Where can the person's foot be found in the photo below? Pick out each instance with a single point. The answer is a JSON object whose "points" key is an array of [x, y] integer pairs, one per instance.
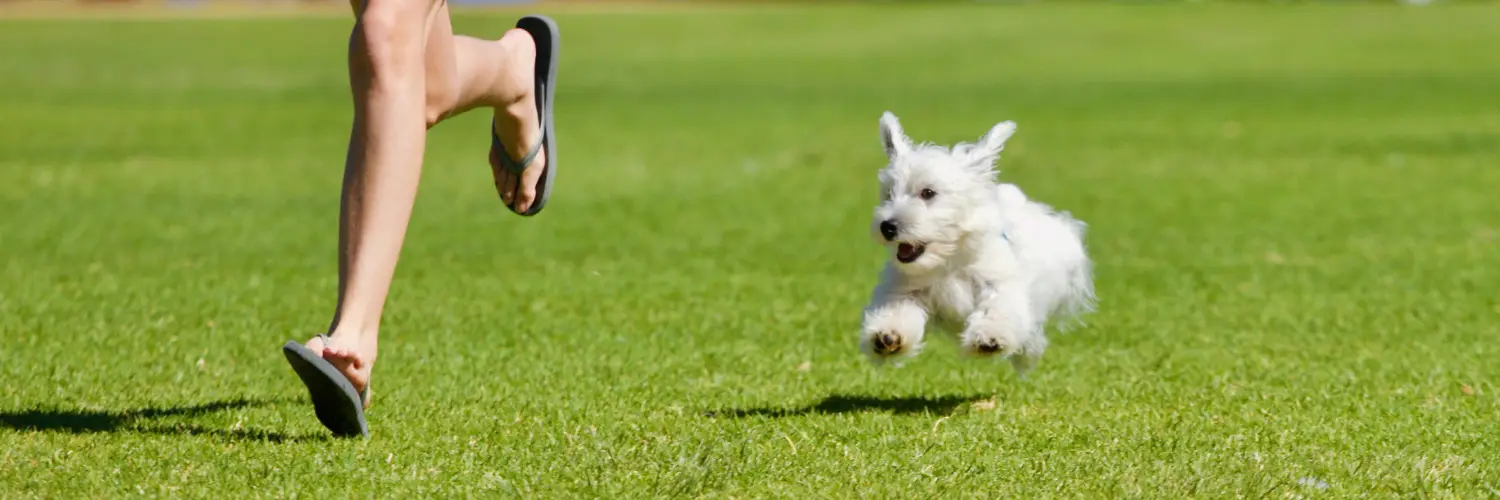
{"points": [[516, 122], [353, 360]]}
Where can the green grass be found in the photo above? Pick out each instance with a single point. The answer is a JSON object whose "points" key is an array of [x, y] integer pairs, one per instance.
{"points": [[1293, 210]]}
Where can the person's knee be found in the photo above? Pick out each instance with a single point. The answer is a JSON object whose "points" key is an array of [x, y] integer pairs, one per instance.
{"points": [[440, 102], [387, 39]]}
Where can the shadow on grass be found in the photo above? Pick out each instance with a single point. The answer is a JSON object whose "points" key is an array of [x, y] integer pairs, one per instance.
{"points": [[840, 404], [139, 421]]}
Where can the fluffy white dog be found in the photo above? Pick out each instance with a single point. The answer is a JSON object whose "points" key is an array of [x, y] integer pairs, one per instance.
{"points": [[969, 255]]}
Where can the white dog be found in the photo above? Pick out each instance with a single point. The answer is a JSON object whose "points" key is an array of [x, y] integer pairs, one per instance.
{"points": [[969, 255]]}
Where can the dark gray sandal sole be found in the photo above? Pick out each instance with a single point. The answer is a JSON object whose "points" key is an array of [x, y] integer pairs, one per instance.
{"points": [[339, 407], [544, 32]]}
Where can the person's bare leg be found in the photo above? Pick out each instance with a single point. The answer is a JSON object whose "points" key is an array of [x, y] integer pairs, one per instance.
{"points": [[381, 175], [382, 168], [497, 74]]}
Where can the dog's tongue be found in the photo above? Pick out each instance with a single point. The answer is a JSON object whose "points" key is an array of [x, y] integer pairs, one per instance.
{"points": [[905, 250]]}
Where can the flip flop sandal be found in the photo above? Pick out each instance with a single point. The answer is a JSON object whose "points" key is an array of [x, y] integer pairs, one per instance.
{"points": [[339, 407], [544, 32]]}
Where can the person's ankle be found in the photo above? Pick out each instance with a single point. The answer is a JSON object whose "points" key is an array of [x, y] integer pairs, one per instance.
{"points": [[522, 112], [361, 337], [513, 85]]}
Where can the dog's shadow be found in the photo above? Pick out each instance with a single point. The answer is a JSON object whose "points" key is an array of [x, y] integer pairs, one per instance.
{"points": [[842, 404], [141, 420]]}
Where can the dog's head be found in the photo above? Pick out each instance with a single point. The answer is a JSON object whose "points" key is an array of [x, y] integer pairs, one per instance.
{"points": [[932, 197]]}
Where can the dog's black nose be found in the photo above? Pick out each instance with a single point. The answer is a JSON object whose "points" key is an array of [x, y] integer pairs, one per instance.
{"points": [[888, 229]]}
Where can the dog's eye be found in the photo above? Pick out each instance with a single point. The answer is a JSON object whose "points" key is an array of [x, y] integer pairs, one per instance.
{"points": [[928, 194]]}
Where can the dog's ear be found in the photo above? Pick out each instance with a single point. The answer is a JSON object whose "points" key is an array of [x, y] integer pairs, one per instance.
{"points": [[981, 156], [892, 136], [993, 142]]}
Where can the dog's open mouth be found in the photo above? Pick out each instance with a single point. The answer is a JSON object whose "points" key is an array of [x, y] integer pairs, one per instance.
{"points": [[909, 252]]}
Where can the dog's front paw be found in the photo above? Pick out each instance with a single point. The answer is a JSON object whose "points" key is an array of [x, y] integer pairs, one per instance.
{"points": [[888, 344], [892, 329], [990, 346], [989, 342]]}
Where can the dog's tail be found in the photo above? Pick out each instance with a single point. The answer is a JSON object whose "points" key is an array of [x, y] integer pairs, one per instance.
{"points": [[1053, 245], [1078, 297]]}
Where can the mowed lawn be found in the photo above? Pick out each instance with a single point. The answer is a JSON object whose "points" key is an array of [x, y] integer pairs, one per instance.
{"points": [[1295, 212]]}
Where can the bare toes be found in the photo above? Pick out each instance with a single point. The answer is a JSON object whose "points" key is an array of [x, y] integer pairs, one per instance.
{"points": [[346, 356], [504, 185], [529, 179]]}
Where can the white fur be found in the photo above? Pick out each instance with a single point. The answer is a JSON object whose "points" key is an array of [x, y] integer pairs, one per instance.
{"points": [[998, 268]]}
